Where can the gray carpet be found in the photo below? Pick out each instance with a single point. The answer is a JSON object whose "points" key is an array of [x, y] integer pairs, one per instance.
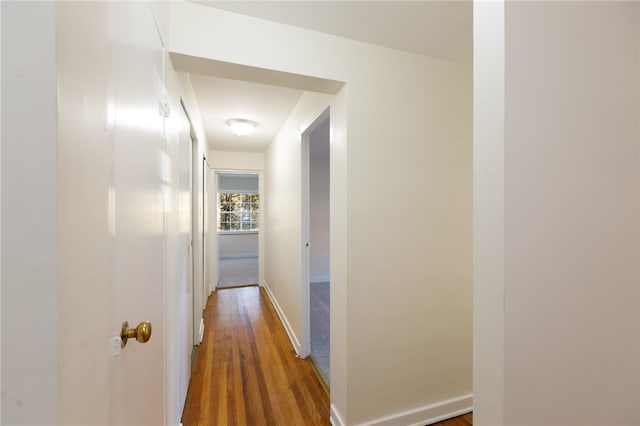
{"points": [[238, 271], [320, 328]]}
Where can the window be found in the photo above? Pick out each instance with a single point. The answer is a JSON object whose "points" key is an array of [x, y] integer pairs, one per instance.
{"points": [[238, 212]]}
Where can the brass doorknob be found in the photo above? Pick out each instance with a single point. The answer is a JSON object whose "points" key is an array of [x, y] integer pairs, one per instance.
{"points": [[142, 333]]}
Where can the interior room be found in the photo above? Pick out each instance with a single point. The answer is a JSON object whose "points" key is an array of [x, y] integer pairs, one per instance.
{"points": [[238, 225]]}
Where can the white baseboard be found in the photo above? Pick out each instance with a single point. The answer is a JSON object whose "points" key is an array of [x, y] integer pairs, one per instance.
{"points": [[322, 279], [283, 318], [426, 415], [201, 330], [335, 418]]}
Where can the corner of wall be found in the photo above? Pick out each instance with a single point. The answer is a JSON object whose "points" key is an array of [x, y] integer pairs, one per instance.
{"points": [[335, 418], [426, 415], [283, 319]]}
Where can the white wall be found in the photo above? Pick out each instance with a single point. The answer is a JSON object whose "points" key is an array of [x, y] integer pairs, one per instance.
{"points": [[488, 186], [283, 236], [571, 175], [30, 306], [226, 160], [319, 182], [238, 245], [238, 183], [568, 207], [384, 282]]}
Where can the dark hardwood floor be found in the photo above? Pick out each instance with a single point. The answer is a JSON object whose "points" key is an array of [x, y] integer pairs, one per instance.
{"points": [[247, 373]]}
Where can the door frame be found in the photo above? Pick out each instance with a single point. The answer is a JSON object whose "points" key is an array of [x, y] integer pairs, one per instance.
{"points": [[305, 209], [205, 237], [214, 220], [196, 310]]}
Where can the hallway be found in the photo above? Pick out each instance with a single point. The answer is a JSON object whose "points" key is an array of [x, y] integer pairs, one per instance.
{"points": [[246, 371]]}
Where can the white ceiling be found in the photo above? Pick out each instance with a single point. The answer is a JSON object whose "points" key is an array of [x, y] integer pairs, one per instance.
{"points": [[433, 28], [442, 29], [221, 99]]}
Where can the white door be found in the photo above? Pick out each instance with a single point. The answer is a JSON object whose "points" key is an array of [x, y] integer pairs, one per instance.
{"points": [[197, 206], [179, 285], [124, 218], [140, 206]]}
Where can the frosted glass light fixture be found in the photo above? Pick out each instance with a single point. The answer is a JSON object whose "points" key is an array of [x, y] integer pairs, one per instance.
{"points": [[240, 126]]}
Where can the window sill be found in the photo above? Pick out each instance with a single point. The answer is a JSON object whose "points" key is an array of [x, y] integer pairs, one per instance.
{"points": [[236, 232]]}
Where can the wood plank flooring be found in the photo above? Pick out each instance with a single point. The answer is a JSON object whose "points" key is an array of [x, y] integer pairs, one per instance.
{"points": [[247, 373], [465, 420]]}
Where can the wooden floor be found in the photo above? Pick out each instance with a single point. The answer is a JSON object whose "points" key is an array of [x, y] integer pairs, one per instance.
{"points": [[466, 420], [246, 372]]}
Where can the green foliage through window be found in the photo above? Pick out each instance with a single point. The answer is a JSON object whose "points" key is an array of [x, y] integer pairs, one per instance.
{"points": [[238, 212]]}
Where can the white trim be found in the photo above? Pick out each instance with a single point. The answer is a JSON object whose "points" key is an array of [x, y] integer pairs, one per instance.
{"points": [[305, 231], [428, 414], [322, 279], [305, 234], [315, 119], [201, 330], [237, 232], [283, 319], [335, 418], [236, 191], [238, 256]]}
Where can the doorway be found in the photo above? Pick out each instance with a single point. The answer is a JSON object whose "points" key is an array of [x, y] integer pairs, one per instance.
{"points": [[316, 220], [238, 220]]}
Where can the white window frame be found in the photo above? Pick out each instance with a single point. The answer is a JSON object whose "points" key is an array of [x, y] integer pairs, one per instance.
{"points": [[219, 212]]}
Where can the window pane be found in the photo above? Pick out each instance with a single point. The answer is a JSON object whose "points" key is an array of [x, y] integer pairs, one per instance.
{"points": [[238, 212]]}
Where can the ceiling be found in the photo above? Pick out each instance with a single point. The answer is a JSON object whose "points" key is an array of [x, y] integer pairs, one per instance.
{"points": [[442, 29], [221, 99], [433, 28]]}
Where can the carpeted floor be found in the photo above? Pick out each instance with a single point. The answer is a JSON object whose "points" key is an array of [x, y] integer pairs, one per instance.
{"points": [[320, 328], [238, 271]]}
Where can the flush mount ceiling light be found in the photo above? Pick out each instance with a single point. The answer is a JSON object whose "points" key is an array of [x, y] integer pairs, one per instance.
{"points": [[240, 126]]}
